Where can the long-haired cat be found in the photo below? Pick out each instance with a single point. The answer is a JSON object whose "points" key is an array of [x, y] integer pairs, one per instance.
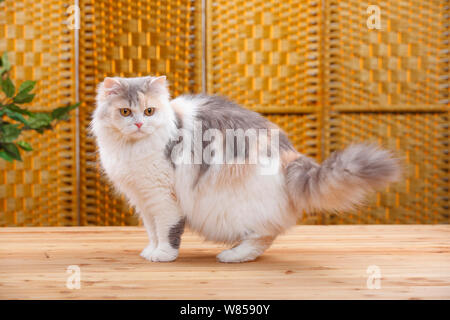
{"points": [[174, 161]]}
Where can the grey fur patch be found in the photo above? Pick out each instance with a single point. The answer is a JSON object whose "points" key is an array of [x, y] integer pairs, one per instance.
{"points": [[131, 94], [219, 113], [169, 148], [131, 87], [302, 174], [172, 143], [178, 121], [285, 144], [175, 233]]}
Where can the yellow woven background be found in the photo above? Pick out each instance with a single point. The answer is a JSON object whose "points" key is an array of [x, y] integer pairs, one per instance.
{"points": [[312, 67], [390, 86], [41, 190], [130, 39]]}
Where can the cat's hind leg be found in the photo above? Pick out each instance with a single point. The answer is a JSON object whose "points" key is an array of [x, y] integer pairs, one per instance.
{"points": [[247, 250]]}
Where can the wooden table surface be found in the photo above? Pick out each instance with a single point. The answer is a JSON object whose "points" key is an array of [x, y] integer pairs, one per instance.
{"points": [[309, 262]]}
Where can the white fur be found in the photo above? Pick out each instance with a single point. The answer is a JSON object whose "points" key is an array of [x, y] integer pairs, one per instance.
{"points": [[137, 167]]}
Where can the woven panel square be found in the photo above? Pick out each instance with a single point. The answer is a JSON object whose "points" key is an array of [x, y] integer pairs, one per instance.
{"points": [[264, 53], [405, 62], [303, 131]]}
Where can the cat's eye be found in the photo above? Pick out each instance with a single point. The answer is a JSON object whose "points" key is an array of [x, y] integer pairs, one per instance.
{"points": [[149, 111], [125, 112]]}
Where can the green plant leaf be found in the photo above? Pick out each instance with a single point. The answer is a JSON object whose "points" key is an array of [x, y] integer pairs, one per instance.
{"points": [[27, 86], [5, 65], [14, 115], [9, 132], [24, 145], [62, 113], [12, 150], [40, 120], [18, 109], [24, 97], [6, 156], [23, 118], [8, 87]]}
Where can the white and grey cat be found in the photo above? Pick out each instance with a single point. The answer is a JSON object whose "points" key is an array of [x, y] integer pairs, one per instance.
{"points": [[138, 127]]}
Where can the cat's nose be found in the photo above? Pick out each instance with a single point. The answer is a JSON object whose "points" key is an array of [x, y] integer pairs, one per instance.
{"points": [[138, 124]]}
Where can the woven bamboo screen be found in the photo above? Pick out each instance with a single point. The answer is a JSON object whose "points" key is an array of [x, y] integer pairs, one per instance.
{"points": [[390, 86], [265, 56], [312, 67], [130, 38], [319, 58], [41, 189]]}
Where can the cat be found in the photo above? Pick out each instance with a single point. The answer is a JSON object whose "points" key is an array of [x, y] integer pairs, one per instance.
{"points": [[148, 149]]}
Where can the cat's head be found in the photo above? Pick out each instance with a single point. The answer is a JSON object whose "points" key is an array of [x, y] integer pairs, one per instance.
{"points": [[134, 107]]}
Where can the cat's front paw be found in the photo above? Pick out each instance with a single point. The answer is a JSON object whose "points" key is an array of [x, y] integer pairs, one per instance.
{"points": [[164, 255], [147, 252]]}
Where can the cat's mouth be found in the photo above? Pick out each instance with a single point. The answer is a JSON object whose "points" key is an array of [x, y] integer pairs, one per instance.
{"points": [[132, 134], [141, 133], [135, 133]]}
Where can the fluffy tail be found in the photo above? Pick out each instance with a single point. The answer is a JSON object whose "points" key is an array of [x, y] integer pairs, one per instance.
{"points": [[342, 181]]}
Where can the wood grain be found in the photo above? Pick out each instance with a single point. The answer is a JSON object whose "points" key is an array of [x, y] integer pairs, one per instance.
{"points": [[309, 262]]}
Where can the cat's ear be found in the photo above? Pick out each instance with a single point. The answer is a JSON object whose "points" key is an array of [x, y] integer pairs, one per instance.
{"points": [[158, 86], [110, 86], [160, 81], [110, 83]]}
